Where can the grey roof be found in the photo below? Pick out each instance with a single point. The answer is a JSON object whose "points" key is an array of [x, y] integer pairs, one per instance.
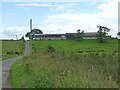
{"points": [[89, 34], [48, 34]]}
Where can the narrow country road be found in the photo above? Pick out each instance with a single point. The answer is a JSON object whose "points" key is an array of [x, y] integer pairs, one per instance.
{"points": [[6, 64], [27, 49]]}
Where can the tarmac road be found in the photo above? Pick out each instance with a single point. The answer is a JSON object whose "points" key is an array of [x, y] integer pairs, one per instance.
{"points": [[6, 64], [27, 49]]}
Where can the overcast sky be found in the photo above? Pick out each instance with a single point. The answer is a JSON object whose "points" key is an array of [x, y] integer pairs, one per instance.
{"points": [[58, 17]]}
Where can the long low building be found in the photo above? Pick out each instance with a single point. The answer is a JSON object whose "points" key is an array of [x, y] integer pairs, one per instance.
{"points": [[90, 35], [37, 34], [49, 36]]}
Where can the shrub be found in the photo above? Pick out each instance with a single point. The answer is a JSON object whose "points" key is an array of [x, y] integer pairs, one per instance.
{"points": [[80, 51], [17, 53], [51, 49], [10, 53]]}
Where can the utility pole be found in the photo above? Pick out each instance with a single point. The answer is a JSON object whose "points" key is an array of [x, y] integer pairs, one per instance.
{"points": [[18, 44], [16, 37]]}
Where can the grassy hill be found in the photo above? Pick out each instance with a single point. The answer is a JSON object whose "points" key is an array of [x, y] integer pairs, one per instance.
{"points": [[68, 64]]}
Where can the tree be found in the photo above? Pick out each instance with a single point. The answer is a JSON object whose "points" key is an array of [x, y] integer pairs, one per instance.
{"points": [[32, 33], [22, 38], [118, 34], [78, 31], [102, 33], [28, 34], [37, 31], [80, 34]]}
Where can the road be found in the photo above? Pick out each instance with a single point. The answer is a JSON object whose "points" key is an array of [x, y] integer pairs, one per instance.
{"points": [[6, 64], [27, 49]]}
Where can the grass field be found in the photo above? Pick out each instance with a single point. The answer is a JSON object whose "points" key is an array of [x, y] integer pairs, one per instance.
{"points": [[68, 64], [10, 47], [71, 46]]}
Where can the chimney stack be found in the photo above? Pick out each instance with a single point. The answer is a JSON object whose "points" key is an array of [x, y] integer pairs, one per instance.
{"points": [[30, 24]]}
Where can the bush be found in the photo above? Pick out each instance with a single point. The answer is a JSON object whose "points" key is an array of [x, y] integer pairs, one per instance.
{"points": [[51, 49], [17, 53], [10, 53]]}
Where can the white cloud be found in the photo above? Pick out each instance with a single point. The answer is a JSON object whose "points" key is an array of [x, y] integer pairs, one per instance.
{"points": [[11, 32], [53, 7], [39, 4], [64, 8], [70, 22], [71, 11], [73, 21], [50, 28], [58, 9], [2, 36], [108, 10]]}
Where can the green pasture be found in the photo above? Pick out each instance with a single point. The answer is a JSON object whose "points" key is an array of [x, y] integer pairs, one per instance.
{"points": [[73, 46], [59, 64], [12, 46]]}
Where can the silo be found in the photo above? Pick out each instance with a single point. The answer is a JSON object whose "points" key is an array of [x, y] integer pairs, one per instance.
{"points": [[30, 24]]}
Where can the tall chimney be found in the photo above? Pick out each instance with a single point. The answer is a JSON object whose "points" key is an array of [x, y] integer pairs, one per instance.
{"points": [[30, 24]]}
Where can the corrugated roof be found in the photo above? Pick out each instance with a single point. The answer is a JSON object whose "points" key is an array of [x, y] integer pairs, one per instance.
{"points": [[90, 34]]}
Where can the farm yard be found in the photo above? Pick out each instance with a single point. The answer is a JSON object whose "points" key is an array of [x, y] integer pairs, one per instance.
{"points": [[12, 48], [68, 64]]}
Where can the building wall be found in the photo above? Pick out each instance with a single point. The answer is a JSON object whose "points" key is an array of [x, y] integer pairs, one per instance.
{"points": [[89, 37], [49, 38], [58, 38]]}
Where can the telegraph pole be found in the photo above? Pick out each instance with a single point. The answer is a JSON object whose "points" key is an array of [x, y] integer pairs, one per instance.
{"points": [[16, 37], [18, 44]]}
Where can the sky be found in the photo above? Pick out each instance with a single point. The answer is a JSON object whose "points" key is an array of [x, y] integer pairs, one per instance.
{"points": [[58, 17]]}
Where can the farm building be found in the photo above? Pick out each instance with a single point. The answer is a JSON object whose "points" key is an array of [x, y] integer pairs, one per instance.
{"points": [[91, 35], [37, 34], [49, 36]]}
